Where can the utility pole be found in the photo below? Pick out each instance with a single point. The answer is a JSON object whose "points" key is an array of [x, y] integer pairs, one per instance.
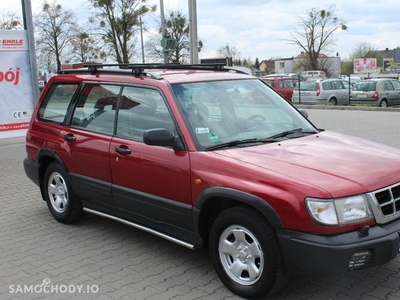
{"points": [[164, 35], [141, 37], [193, 43], [28, 26]]}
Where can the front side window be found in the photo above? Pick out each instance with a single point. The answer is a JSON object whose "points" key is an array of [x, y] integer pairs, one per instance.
{"points": [[54, 107], [338, 85], [327, 85], [216, 118], [142, 109]]}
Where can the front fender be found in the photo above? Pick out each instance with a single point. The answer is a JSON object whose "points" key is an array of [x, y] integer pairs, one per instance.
{"points": [[227, 193]]}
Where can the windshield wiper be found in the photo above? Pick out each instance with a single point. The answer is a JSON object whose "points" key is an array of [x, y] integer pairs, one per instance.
{"points": [[272, 139], [236, 143], [298, 131]]}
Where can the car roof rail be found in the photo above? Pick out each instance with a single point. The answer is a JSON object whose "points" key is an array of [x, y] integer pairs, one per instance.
{"points": [[141, 69]]}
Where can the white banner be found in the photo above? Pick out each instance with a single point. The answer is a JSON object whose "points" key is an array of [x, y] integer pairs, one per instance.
{"points": [[364, 65], [16, 100]]}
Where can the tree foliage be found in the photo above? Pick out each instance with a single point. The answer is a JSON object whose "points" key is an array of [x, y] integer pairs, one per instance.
{"points": [[86, 48], [118, 22], [316, 34], [55, 28], [230, 51], [10, 21]]}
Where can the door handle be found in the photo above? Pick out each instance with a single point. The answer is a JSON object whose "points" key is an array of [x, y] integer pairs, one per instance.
{"points": [[123, 150], [70, 137]]}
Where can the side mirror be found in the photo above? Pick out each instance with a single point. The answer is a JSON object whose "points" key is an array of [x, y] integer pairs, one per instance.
{"points": [[304, 113], [161, 137]]}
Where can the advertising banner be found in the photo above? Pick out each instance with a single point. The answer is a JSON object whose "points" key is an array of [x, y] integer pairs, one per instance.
{"points": [[365, 65], [16, 100]]}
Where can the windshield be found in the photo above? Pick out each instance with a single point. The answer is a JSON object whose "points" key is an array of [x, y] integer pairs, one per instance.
{"points": [[225, 112]]}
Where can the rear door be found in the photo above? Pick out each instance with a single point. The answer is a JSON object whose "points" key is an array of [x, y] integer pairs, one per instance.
{"points": [[150, 183], [390, 92], [88, 139], [341, 92]]}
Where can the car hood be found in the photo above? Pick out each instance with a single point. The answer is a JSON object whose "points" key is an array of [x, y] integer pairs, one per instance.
{"points": [[341, 165]]}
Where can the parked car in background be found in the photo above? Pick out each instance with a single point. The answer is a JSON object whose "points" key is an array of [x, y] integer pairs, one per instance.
{"points": [[313, 74], [297, 76], [376, 92], [283, 85], [352, 79], [322, 91], [275, 75]]}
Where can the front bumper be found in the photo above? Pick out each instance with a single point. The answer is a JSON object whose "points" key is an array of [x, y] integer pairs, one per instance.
{"points": [[305, 253]]}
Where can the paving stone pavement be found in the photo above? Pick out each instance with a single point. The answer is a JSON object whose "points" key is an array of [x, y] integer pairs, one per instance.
{"points": [[102, 259]]}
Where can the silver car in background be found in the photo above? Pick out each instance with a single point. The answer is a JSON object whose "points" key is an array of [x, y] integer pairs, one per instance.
{"points": [[376, 92], [332, 91]]}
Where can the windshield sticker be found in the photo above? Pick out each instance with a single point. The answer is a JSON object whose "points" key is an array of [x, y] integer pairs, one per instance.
{"points": [[202, 130], [212, 136]]}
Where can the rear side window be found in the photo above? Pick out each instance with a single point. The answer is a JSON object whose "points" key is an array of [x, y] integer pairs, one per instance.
{"points": [[55, 105], [287, 84], [388, 85], [396, 84], [96, 107]]}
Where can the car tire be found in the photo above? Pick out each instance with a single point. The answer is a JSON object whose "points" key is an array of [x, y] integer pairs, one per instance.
{"points": [[61, 200], [383, 103], [246, 254], [333, 101]]}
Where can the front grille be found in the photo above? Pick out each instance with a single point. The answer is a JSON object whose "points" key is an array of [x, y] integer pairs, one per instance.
{"points": [[388, 200]]}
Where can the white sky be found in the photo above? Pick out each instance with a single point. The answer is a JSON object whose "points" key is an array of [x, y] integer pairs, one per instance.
{"points": [[256, 28]]}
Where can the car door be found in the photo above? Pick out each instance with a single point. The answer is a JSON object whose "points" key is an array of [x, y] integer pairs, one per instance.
{"points": [[89, 137], [341, 92], [396, 85], [150, 183]]}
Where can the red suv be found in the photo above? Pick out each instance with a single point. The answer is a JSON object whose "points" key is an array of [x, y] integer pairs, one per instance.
{"points": [[283, 85], [172, 150]]}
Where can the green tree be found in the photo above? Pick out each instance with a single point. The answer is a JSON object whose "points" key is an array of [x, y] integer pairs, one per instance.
{"points": [[10, 21], [55, 29], [257, 63], [118, 22], [316, 35], [177, 29]]}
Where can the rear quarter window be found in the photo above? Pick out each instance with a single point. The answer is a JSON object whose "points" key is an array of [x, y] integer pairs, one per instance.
{"points": [[55, 105]]}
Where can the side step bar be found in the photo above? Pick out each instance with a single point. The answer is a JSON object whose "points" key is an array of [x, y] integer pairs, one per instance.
{"points": [[149, 230]]}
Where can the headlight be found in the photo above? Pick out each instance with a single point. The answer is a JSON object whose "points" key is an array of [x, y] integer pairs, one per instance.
{"points": [[339, 211]]}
